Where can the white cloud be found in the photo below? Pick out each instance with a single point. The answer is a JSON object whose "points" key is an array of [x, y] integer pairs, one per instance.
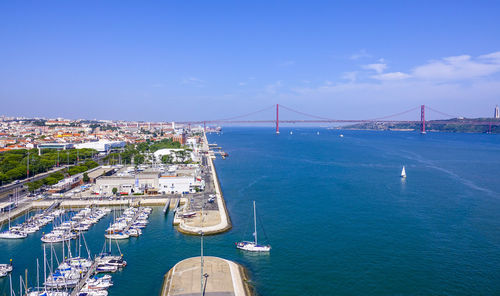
{"points": [[193, 81], [495, 56], [459, 67], [378, 67], [391, 76], [242, 83], [350, 76], [274, 87], [360, 55]]}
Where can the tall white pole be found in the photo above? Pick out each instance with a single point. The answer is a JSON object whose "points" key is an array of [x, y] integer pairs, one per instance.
{"points": [[10, 281], [201, 264], [37, 274], [44, 264]]}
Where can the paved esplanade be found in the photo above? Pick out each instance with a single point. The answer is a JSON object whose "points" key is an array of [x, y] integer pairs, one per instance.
{"points": [[213, 221], [224, 278]]}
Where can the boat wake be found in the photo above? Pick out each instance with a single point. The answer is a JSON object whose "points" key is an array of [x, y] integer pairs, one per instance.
{"points": [[433, 165]]}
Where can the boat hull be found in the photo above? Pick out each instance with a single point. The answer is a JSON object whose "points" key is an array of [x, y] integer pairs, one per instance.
{"points": [[252, 247]]}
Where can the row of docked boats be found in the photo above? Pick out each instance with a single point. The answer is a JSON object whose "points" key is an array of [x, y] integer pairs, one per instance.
{"points": [[30, 225], [129, 223], [76, 275], [69, 229]]}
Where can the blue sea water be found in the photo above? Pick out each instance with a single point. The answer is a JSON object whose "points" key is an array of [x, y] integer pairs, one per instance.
{"points": [[339, 218]]}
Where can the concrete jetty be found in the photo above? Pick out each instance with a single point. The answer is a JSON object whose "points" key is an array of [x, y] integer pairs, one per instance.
{"points": [[212, 221], [223, 277]]}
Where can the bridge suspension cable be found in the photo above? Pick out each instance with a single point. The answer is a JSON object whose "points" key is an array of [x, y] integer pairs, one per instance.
{"points": [[362, 120], [243, 115], [442, 113], [394, 115], [305, 114]]}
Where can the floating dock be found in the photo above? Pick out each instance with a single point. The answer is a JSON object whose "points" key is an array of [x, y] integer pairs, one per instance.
{"points": [[166, 207], [83, 280]]}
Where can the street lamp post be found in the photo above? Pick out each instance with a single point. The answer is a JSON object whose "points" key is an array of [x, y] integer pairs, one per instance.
{"points": [[201, 273]]}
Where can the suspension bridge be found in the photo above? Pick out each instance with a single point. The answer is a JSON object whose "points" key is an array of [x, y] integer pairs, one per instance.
{"points": [[315, 119]]}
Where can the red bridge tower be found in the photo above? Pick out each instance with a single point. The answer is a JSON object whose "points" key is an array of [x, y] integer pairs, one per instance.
{"points": [[422, 119]]}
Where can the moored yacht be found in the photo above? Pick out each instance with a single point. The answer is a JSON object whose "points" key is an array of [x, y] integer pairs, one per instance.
{"points": [[253, 246]]}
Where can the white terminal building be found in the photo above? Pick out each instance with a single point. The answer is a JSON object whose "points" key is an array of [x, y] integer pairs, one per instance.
{"points": [[151, 182], [102, 146]]}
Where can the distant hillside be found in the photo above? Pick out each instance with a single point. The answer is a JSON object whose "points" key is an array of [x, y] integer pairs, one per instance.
{"points": [[462, 125]]}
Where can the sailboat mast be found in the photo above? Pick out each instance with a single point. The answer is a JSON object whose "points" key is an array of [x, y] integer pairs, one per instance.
{"points": [[44, 264], [37, 275], [255, 222]]}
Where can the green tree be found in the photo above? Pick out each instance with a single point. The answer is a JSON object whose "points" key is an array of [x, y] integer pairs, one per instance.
{"points": [[86, 178], [114, 190], [166, 159], [139, 159]]}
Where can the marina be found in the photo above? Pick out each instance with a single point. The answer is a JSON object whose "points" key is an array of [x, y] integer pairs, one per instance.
{"points": [[69, 229]]}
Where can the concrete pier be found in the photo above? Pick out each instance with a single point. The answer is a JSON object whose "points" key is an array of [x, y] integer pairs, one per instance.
{"points": [[223, 278], [214, 221]]}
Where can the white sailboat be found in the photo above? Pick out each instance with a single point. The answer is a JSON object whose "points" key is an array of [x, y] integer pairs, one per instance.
{"points": [[403, 172], [253, 246], [5, 269], [12, 234]]}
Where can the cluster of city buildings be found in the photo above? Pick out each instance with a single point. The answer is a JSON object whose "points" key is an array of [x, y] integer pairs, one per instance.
{"points": [[102, 135]]}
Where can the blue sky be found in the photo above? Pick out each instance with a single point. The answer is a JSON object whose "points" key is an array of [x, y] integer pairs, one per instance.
{"points": [[187, 60]]}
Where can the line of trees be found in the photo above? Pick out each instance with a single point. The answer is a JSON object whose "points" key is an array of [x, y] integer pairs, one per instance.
{"points": [[14, 163], [58, 176]]}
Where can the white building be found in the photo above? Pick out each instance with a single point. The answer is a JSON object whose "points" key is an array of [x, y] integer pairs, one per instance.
{"points": [[102, 146], [497, 112], [127, 184], [176, 185]]}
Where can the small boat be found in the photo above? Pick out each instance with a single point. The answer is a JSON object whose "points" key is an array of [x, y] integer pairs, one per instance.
{"points": [[253, 246], [188, 214], [317, 133], [93, 293], [341, 135], [8, 234], [106, 268], [291, 133], [133, 232], [5, 268], [13, 232], [403, 172], [47, 293], [118, 235]]}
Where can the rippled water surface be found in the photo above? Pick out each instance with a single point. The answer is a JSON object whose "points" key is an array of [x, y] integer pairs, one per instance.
{"points": [[338, 216]]}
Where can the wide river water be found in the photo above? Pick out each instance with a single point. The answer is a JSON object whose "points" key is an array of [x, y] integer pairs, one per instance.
{"points": [[339, 218]]}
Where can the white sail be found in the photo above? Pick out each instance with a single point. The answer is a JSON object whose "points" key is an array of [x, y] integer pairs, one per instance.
{"points": [[403, 173]]}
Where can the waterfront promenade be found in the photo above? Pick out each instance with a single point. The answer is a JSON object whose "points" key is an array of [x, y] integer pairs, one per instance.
{"points": [[212, 221]]}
